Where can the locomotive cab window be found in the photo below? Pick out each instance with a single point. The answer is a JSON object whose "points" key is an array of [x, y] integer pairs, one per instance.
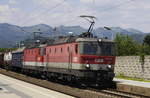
{"points": [[96, 48]]}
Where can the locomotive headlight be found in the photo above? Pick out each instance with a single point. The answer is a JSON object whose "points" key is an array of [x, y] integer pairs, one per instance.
{"points": [[100, 40], [109, 66], [87, 65]]}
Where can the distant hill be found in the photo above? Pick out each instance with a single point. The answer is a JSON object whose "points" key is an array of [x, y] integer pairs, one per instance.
{"points": [[11, 34]]}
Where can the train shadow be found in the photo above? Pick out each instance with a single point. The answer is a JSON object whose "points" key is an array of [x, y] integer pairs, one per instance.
{"points": [[104, 86], [110, 85]]}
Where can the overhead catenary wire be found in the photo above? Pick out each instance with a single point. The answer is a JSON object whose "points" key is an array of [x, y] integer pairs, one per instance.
{"points": [[117, 6], [35, 8], [114, 7], [103, 10], [70, 12], [47, 10], [59, 4]]}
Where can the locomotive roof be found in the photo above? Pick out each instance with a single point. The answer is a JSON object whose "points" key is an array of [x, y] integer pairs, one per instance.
{"points": [[93, 40], [79, 39], [19, 50], [69, 39]]}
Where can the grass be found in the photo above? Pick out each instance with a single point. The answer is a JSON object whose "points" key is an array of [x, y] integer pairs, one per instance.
{"points": [[121, 76]]}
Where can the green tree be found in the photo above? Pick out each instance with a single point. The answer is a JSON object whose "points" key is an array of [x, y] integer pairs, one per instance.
{"points": [[2, 49], [147, 40], [125, 45], [7, 49], [145, 47]]}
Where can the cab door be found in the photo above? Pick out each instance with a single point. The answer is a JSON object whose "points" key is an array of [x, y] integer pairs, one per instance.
{"points": [[70, 51]]}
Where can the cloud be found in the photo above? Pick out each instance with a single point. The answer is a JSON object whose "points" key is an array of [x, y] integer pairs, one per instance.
{"points": [[5, 13], [86, 1], [128, 15], [13, 2], [47, 3], [9, 14], [125, 13], [120, 13]]}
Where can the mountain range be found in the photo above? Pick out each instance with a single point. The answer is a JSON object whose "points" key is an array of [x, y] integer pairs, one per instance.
{"points": [[12, 34]]}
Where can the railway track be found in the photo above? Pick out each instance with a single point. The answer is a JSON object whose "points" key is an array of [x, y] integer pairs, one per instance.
{"points": [[113, 93], [128, 95], [88, 92]]}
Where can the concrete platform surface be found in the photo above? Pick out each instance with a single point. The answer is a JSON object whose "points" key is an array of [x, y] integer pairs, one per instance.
{"points": [[135, 87], [131, 82], [13, 88]]}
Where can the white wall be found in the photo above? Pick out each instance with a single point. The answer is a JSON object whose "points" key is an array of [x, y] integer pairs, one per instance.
{"points": [[132, 67]]}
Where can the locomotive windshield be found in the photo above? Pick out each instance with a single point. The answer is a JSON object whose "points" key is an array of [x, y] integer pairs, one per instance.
{"points": [[97, 48]]}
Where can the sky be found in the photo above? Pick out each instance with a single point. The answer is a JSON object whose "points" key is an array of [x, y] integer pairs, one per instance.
{"points": [[112, 13]]}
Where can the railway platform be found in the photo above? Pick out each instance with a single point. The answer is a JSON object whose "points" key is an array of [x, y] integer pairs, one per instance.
{"points": [[136, 87], [10, 87]]}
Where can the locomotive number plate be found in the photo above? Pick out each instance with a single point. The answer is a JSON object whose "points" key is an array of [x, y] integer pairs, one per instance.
{"points": [[99, 60]]}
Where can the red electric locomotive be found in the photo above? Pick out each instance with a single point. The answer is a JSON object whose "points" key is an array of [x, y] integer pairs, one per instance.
{"points": [[88, 59], [82, 58]]}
